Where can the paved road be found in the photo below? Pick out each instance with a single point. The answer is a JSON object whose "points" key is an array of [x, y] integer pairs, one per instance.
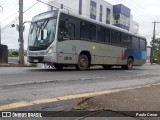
{"points": [[27, 84]]}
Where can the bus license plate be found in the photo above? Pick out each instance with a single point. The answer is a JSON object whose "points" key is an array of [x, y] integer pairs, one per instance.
{"points": [[35, 60]]}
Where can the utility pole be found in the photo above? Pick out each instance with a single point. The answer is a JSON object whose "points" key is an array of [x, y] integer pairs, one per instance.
{"points": [[0, 23], [0, 33], [153, 41], [21, 41]]}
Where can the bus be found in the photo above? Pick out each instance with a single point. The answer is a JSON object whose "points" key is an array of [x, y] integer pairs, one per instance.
{"points": [[61, 38]]}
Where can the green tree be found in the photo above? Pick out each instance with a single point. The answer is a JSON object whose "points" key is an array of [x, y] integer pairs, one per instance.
{"points": [[157, 57]]}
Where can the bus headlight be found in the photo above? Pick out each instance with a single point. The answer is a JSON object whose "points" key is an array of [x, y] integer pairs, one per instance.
{"points": [[50, 50]]}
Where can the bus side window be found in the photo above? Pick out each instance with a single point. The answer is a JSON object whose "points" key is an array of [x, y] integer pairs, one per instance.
{"points": [[62, 32], [101, 34], [84, 30], [135, 43], [116, 37], [142, 44], [107, 35], [126, 40], [71, 30], [92, 32], [87, 31]]}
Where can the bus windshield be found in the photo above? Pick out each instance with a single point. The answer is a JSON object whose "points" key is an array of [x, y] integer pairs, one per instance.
{"points": [[42, 33]]}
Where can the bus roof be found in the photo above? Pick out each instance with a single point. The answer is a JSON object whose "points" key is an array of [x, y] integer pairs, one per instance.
{"points": [[45, 15], [96, 22]]}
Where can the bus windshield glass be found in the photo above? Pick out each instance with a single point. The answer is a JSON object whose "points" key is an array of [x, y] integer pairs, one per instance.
{"points": [[42, 32]]}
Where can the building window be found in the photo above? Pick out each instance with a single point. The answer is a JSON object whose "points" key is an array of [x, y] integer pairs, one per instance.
{"points": [[121, 19], [108, 14], [51, 7], [125, 20], [93, 10], [117, 19], [101, 13]]}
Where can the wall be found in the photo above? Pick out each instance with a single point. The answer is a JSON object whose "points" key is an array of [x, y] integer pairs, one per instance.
{"points": [[148, 52], [134, 26], [105, 6], [3, 54], [74, 6], [70, 4]]}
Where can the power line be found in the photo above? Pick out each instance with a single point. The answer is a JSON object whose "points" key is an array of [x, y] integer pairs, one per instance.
{"points": [[3, 2], [9, 25], [9, 17], [46, 3], [15, 14], [30, 7]]}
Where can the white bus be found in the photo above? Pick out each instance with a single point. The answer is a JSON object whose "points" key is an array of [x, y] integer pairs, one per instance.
{"points": [[61, 38]]}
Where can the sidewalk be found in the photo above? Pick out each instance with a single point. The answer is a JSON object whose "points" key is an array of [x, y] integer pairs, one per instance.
{"points": [[116, 105], [143, 99]]}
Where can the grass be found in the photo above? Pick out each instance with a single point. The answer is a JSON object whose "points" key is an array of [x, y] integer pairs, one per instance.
{"points": [[12, 55], [16, 65]]}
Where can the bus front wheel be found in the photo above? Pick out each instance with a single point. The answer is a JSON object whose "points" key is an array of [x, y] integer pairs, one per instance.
{"points": [[58, 66], [83, 62]]}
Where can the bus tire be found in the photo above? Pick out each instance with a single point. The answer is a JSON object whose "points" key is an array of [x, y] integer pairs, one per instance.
{"points": [[106, 67], [58, 66], [83, 62], [129, 65]]}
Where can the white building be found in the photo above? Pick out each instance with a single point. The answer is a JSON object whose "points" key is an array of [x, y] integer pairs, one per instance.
{"points": [[100, 10], [148, 52]]}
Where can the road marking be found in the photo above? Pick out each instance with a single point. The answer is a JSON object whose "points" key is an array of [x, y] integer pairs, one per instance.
{"points": [[69, 97]]}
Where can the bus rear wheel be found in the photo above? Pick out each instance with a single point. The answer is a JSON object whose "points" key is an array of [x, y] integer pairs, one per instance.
{"points": [[83, 62], [129, 65], [58, 66]]}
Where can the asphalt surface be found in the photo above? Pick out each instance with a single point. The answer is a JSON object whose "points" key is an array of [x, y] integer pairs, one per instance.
{"points": [[27, 84]]}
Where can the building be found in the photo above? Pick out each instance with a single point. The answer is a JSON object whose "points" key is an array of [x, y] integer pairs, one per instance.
{"points": [[100, 10], [148, 52]]}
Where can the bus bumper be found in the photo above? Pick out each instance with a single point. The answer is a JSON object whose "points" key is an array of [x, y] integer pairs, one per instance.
{"points": [[52, 58]]}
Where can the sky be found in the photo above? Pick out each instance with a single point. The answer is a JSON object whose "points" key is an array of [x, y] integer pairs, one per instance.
{"points": [[144, 12]]}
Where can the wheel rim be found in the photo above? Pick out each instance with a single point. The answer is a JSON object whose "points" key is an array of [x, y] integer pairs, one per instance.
{"points": [[83, 62], [130, 64]]}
